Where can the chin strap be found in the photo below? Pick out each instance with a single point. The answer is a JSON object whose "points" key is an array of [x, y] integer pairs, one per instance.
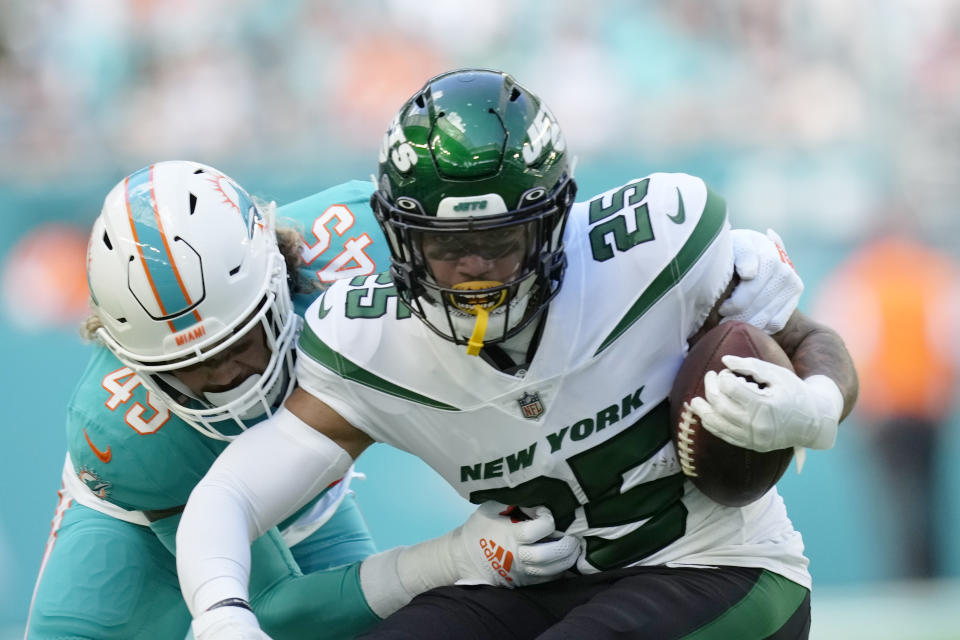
{"points": [[475, 343]]}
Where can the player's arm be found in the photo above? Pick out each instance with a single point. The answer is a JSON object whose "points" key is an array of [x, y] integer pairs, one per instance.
{"points": [[262, 477], [283, 599], [277, 466], [756, 404], [761, 406], [816, 349]]}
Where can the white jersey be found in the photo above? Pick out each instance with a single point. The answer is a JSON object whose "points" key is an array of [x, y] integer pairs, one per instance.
{"points": [[585, 430]]}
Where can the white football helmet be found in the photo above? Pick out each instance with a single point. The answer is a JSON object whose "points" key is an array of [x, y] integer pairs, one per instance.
{"points": [[181, 264]]}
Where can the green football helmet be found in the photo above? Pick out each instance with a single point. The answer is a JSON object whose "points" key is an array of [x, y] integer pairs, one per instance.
{"points": [[473, 167]]}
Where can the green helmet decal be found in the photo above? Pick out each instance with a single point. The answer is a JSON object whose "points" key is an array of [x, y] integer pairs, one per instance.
{"points": [[473, 152]]}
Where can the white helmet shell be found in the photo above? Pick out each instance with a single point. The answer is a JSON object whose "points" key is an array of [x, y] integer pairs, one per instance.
{"points": [[181, 264]]}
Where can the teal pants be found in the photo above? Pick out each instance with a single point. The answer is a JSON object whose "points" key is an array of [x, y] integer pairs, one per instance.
{"points": [[108, 579]]}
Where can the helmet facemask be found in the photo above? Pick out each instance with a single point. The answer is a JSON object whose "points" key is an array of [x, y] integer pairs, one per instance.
{"points": [[525, 244], [226, 414]]}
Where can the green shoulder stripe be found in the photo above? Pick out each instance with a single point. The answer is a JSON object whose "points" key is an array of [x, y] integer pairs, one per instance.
{"points": [[710, 223], [317, 349]]}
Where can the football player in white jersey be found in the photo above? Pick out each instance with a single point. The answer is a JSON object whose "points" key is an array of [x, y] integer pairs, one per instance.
{"points": [[519, 391]]}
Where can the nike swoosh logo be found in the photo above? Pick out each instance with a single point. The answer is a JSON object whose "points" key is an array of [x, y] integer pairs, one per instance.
{"points": [[323, 310], [681, 215], [103, 456]]}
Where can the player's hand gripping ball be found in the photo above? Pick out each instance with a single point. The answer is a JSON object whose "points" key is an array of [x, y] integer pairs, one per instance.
{"points": [[728, 474]]}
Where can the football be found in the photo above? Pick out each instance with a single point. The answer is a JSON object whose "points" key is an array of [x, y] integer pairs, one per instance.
{"points": [[727, 474]]}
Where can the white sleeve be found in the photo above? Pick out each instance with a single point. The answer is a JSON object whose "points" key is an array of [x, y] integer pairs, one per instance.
{"points": [[262, 477]]}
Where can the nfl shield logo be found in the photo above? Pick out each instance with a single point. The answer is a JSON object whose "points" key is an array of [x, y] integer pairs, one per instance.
{"points": [[530, 405]]}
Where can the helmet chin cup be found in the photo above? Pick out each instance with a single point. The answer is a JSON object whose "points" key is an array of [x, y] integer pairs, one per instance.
{"points": [[479, 304], [458, 323], [248, 411]]}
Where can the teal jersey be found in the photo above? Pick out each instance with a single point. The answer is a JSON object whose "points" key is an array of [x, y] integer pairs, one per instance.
{"points": [[341, 238], [131, 451], [132, 462], [127, 448]]}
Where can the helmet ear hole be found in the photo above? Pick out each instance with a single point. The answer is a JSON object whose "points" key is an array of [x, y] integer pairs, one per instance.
{"points": [[409, 204], [514, 94], [533, 195], [106, 241], [193, 204]]}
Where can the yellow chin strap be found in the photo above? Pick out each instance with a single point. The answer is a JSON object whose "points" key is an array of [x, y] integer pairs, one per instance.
{"points": [[481, 309]]}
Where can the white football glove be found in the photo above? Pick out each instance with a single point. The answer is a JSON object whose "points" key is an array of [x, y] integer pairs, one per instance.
{"points": [[489, 548], [784, 412], [227, 623], [769, 287]]}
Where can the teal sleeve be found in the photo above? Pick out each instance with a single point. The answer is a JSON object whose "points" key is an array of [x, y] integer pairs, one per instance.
{"points": [[290, 605], [270, 559], [331, 600]]}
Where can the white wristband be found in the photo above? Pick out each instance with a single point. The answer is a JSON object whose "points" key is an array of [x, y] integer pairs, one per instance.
{"points": [[381, 584], [829, 401], [391, 579]]}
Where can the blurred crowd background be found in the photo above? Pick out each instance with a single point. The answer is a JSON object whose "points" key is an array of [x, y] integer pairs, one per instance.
{"points": [[835, 123]]}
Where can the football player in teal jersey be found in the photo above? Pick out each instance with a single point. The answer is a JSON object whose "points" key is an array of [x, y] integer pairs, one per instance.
{"points": [[197, 300], [524, 344]]}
